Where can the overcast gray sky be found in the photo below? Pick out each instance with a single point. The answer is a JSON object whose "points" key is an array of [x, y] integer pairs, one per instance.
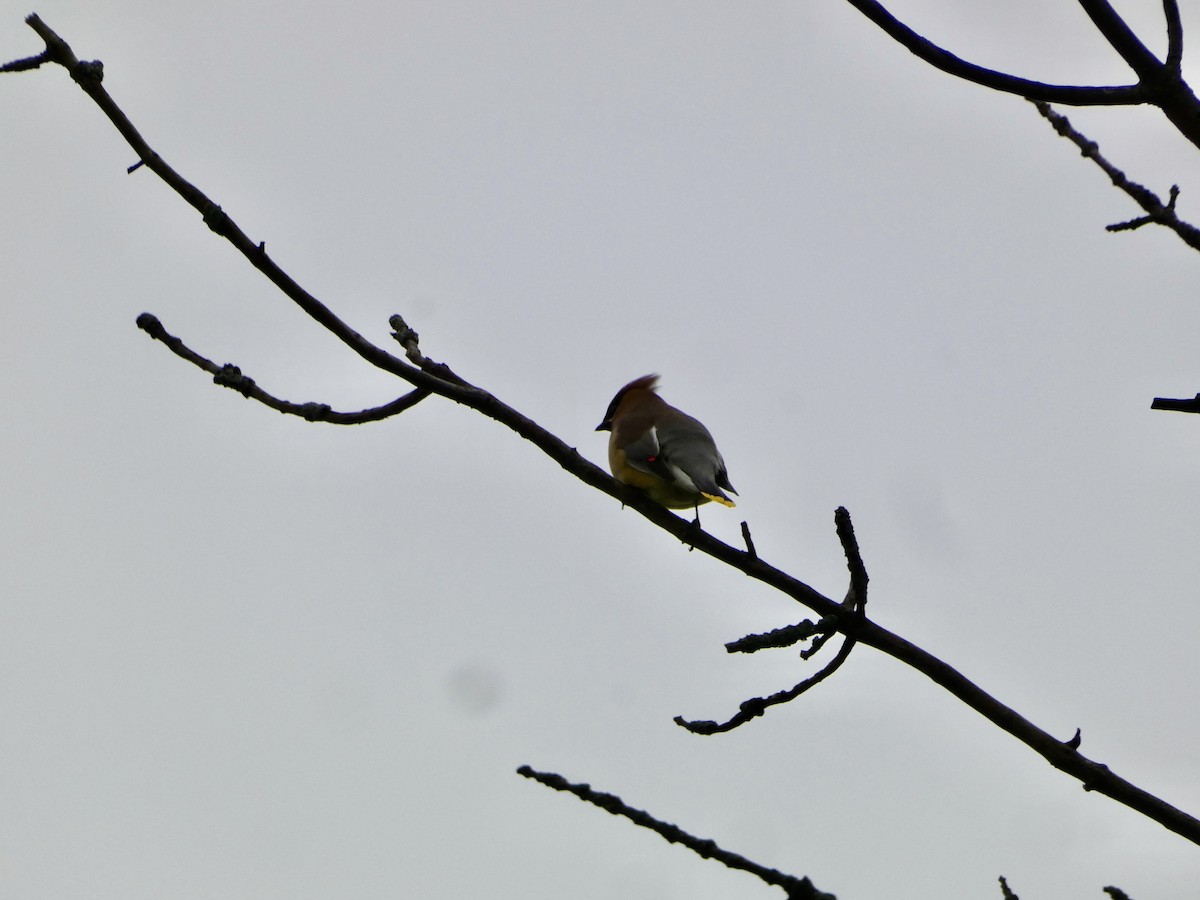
{"points": [[245, 656]]}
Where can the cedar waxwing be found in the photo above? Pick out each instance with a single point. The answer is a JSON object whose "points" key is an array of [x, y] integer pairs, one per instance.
{"points": [[666, 453]]}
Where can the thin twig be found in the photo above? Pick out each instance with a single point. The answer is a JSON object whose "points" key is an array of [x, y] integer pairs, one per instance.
{"points": [[751, 709], [749, 540], [231, 376], [29, 62], [1157, 212], [1174, 60], [782, 637], [796, 888], [1187, 406], [853, 612]]}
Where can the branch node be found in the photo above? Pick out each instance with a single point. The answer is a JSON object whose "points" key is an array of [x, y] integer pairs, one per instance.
{"points": [[1074, 742], [315, 412], [231, 377], [1161, 216], [91, 71], [216, 219]]}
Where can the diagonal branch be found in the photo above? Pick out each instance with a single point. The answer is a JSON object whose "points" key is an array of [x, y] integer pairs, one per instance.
{"points": [[1157, 212], [796, 888], [782, 637], [89, 76], [431, 376], [853, 606], [231, 376]]}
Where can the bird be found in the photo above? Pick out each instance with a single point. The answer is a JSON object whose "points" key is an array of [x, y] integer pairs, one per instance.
{"points": [[662, 451]]}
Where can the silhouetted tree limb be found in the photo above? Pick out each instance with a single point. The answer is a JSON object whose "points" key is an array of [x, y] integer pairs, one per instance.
{"points": [[796, 888], [231, 376], [783, 637], [756, 706], [29, 62], [435, 378], [1157, 212], [853, 606], [1160, 83]]}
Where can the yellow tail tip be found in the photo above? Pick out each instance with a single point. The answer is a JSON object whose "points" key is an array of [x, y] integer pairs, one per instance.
{"points": [[724, 501]]}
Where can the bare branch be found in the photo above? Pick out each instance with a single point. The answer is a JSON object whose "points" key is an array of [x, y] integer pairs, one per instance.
{"points": [[853, 606], [796, 888], [1094, 776], [782, 637], [1160, 84], [1158, 213], [1005, 891], [939, 58], [231, 376], [89, 75]]}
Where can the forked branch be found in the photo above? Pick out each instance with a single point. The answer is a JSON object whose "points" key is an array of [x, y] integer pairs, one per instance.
{"points": [[853, 608], [1157, 212], [1160, 83]]}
